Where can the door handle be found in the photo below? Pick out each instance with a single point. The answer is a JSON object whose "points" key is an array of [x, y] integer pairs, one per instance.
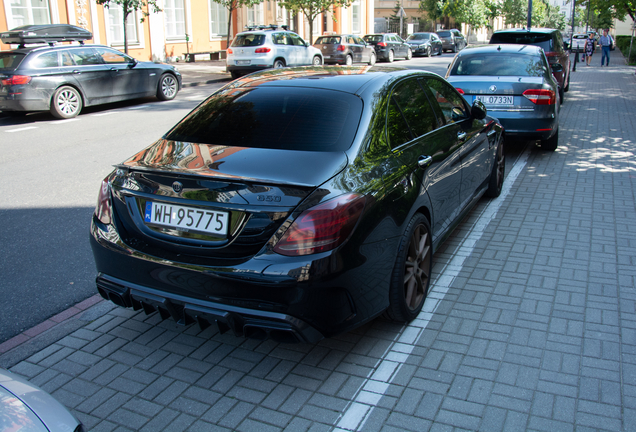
{"points": [[77, 72], [461, 136], [424, 161]]}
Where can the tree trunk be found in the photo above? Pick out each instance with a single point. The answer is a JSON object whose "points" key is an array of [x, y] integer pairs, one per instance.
{"points": [[311, 25], [229, 24], [125, 35]]}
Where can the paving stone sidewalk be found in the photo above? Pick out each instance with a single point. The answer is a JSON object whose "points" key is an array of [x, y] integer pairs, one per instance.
{"points": [[536, 330]]}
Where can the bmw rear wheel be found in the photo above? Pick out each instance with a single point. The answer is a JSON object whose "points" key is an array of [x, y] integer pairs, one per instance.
{"points": [[411, 278], [66, 103], [167, 88]]}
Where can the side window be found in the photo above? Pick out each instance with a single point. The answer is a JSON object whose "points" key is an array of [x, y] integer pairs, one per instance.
{"points": [[112, 56], [67, 60], [410, 113], [46, 60], [85, 56], [296, 40], [278, 38], [351, 40], [359, 41], [451, 103]]}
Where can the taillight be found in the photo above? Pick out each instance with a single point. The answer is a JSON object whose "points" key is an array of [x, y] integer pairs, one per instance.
{"points": [[103, 210], [16, 80], [540, 96], [460, 90], [229, 51], [323, 227], [262, 50], [382, 44], [340, 48]]}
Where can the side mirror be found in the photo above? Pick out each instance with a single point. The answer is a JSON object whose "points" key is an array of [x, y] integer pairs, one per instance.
{"points": [[566, 45], [478, 110], [556, 67]]}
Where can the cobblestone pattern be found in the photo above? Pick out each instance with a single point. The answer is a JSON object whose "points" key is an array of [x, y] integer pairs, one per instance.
{"points": [[537, 332]]}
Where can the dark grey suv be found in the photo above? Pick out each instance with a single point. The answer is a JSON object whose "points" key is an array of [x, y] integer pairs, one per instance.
{"points": [[452, 40]]}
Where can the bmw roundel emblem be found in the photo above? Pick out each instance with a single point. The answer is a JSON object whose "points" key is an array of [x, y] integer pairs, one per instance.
{"points": [[177, 187], [492, 88]]}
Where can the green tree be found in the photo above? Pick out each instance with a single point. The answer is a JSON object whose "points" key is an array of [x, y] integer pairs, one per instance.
{"points": [[434, 10], [312, 8], [231, 6], [515, 12], [128, 7]]}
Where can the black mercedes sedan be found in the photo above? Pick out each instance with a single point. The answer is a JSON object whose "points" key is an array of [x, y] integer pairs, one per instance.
{"points": [[63, 79], [297, 203]]}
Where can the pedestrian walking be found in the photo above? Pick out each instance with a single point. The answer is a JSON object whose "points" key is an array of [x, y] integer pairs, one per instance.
{"points": [[606, 44], [589, 48]]}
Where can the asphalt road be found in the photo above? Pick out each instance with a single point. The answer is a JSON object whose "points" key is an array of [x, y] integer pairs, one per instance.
{"points": [[51, 172]]}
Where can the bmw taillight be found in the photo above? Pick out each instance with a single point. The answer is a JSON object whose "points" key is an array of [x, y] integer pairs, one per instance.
{"points": [[340, 48], [262, 50], [540, 96], [16, 80], [382, 44], [103, 210], [323, 227], [460, 90]]}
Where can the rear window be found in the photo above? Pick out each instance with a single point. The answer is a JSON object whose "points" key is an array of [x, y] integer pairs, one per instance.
{"points": [[245, 40], [499, 65], [10, 60], [273, 117], [328, 40], [373, 38], [542, 40], [444, 33]]}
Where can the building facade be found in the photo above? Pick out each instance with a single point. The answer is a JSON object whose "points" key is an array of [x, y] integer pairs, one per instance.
{"points": [[180, 27]]}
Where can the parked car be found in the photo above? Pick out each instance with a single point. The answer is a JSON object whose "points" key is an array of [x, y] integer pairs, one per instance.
{"points": [[345, 49], [26, 407], [452, 40], [516, 84], [425, 44], [296, 204], [64, 79], [269, 47], [389, 46], [552, 43], [578, 41]]}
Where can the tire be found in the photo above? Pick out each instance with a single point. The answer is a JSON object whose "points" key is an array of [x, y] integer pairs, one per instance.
{"points": [[561, 94], [409, 54], [567, 85], [348, 60], [391, 56], [167, 88], [66, 103], [454, 48], [235, 75], [317, 61], [372, 59], [428, 52], [411, 278], [495, 184], [552, 143], [440, 52], [278, 63]]}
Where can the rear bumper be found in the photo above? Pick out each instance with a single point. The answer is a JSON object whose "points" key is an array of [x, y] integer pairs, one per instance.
{"points": [[22, 102], [531, 129]]}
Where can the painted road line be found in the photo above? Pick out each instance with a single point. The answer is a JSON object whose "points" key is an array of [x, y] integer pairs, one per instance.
{"points": [[386, 369], [22, 129]]}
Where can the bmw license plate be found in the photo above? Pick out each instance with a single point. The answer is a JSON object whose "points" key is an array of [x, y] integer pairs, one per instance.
{"points": [[495, 100], [186, 218]]}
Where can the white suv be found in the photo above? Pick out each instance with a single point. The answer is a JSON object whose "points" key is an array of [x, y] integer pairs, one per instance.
{"points": [[269, 47]]}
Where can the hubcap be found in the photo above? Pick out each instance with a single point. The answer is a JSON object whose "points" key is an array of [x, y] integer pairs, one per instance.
{"points": [[417, 268], [169, 87], [68, 102]]}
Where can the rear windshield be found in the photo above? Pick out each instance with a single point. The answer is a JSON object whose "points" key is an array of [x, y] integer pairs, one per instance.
{"points": [[328, 40], [273, 117], [373, 38], [542, 40], [419, 36], [245, 40], [499, 65], [444, 33], [10, 60]]}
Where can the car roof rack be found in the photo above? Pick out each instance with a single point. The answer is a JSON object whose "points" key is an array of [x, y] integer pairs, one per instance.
{"points": [[269, 27], [46, 33]]}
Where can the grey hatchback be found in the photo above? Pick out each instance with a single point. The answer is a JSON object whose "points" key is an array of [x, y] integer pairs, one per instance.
{"points": [[515, 83]]}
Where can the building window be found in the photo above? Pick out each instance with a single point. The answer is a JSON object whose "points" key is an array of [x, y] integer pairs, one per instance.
{"points": [[218, 19], [255, 15], [355, 17], [25, 12], [115, 25], [174, 12]]}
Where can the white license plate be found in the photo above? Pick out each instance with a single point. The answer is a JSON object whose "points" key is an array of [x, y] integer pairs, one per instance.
{"points": [[242, 62], [495, 100], [186, 218]]}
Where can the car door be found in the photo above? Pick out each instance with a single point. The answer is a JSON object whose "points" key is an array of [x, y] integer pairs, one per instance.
{"points": [[298, 51], [283, 45], [436, 44], [129, 79], [93, 77], [425, 159], [355, 47], [471, 135], [365, 52]]}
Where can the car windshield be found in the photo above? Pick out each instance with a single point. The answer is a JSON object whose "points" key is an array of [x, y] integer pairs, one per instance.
{"points": [[543, 40], [9, 60], [444, 33], [275, 118], [499, 65], [250, 39], [419, 36], [328, 40]]}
